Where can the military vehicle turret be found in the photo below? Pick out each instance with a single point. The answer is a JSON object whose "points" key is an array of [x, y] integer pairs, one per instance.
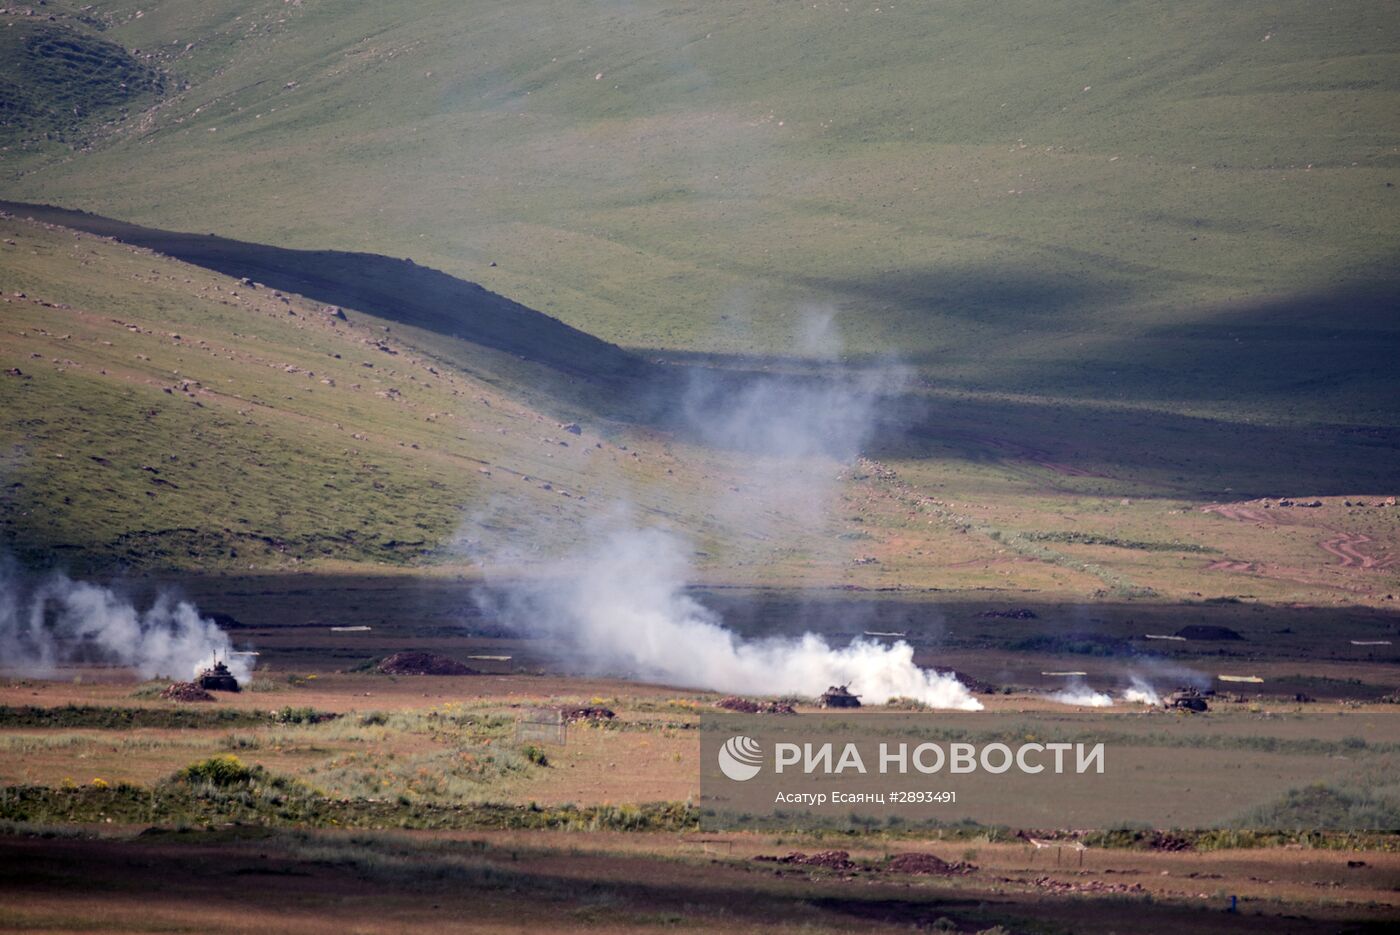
{"points": [[838, 696], [217, 678]]}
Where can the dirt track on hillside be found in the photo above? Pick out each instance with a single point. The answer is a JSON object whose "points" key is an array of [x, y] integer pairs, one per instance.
{"points": [[1348, 548]]}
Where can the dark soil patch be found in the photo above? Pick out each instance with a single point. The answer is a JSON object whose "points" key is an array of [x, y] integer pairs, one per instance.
{"points": [[416, 663], [903, 912]]}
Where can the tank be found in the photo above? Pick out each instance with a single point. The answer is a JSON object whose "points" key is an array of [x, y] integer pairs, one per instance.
{"points": [[838, 696], [217, 678], [1185, 699]]}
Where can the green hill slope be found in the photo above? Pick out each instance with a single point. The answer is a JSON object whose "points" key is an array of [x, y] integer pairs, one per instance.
{"points": [[1185, 207], [1139, 258], [62, 83], [156, 414], [396, 289]]}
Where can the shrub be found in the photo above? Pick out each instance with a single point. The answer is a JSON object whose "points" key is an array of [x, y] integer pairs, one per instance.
{"points": [[290, 715], [223, 770]]}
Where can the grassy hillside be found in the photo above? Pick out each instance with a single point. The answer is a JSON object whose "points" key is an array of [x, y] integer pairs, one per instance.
{"points": [[1189, 208], [160, 415], [1139, 261], [62, 84]]}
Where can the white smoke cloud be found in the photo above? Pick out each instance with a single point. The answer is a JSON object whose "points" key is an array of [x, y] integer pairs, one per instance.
{"points": [[618, 606], [59, 622], [1141, 692], [1079, 693]]}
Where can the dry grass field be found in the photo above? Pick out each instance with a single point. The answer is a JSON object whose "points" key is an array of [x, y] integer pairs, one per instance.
{"points": [[578, 846], [241, 880]]}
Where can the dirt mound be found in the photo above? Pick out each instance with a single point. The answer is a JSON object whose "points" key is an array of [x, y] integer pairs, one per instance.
{"points": [[185, 691], [1201, 631], [915, 862], [413, 663], [831, 860], [747, 706], [590, 713]]}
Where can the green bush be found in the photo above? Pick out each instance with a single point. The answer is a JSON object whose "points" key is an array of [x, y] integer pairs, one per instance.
{"points": [[290, 715], [223, 770]]}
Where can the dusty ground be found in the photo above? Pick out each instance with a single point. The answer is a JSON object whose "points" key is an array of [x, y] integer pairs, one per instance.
{"points": [[443, 733], [512, 882]]}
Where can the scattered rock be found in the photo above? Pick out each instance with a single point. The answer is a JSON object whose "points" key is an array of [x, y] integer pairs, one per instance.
{"points": [[587, 713], [185, 691], [831, 860], [1089, 886]]}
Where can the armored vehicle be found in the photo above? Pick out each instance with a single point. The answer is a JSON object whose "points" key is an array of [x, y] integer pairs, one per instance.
{"points": [[217, 678], [838, 696], [1185, 699]]}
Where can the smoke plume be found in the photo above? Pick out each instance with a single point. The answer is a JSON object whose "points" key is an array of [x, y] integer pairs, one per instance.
{"points": [[1079, 693], [617, 603], [57, 622], [1140, 692], [618, 607]]}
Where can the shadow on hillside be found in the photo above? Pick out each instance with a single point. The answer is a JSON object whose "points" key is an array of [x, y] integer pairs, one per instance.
{"points": [[979, 294], [1082, 446], [1257, 353], [1264, 352], [396, 290], [1109, 452], [1105, 412]]}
